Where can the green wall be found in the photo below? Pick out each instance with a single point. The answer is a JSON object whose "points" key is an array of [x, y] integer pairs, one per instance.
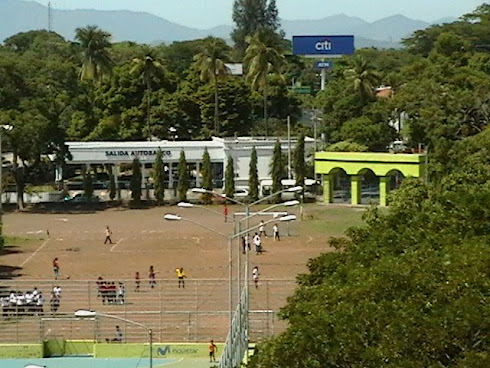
{"points": [[353, 163], [177, 350], [17, 351]]}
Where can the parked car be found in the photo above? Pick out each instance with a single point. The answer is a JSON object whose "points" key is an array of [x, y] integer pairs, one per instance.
{"points": [[81, 198], [241, 193]]}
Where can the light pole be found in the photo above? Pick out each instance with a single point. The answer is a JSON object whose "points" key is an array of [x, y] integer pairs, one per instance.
{"points": [[7, 128], [191, 205], [173, 217], [83, 313]]}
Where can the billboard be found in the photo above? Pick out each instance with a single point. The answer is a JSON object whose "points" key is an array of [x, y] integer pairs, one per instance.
{"points": [[323, 45]]}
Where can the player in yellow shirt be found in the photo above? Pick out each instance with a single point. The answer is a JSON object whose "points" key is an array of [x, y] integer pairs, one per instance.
{"points": [[180, 276]]}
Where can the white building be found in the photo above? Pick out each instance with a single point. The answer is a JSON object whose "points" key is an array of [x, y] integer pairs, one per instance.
{"points": [[119, 153]]}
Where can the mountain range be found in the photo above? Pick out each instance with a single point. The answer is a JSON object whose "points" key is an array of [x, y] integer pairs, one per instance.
{"points": [[21, 16]]}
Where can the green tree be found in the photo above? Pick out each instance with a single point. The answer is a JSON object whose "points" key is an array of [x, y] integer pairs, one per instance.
{"points": [[148, 68], [88, 184], [230, 178], [363, 78], [135, 183], [159, 178], [96, 60], [250, 16], [299, 161], [263, 57], [112, 183], [207, 176], [183, 172], [211, 64], [253, 177], [277, 171]]}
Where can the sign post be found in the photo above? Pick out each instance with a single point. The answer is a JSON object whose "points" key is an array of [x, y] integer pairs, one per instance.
{"points": [[323, 46]]}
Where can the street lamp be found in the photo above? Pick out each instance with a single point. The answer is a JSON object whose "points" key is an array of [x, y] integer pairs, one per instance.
{"points": [[83, 313], [174, 217], [191, 205], [6, 128]]}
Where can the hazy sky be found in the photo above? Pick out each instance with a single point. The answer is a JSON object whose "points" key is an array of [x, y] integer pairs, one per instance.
{"points": [[210, 13]]}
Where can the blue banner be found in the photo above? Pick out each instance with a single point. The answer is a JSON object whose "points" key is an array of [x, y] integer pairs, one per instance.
{"points": [[323, 65], [323, 45]]}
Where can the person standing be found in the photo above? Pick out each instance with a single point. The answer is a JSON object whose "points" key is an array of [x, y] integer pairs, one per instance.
{"points": [[151, 277], [255, 276], [243, 244], [258, 244], [262, 229], [275, 231], [181, 276], [56, 268], [225, 212], [212, 350], [108, 234], [137, 282]]}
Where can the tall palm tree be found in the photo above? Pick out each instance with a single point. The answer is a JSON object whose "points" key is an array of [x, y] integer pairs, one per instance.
{"points": [[363, 77], [211, 64], [149, 69], [97, 61], [263, 57]]}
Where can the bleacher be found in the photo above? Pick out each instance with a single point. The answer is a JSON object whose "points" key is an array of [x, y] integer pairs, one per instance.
{"points": [[199, 312]]}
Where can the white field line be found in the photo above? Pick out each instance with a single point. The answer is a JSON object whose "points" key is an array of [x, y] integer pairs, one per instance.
{"points": [[116, 244], [35, 252]]}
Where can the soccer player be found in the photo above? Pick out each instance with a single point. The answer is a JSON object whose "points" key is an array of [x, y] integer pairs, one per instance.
{"points": [[255, 276], [275, 230], [108, 234], [56, 268], [181, 276], [137, 281], [212, 350]]}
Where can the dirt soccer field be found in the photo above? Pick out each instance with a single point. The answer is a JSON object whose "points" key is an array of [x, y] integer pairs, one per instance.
{"points": [[142, 238]]}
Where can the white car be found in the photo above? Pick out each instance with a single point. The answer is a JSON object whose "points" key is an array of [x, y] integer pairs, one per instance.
{"points": [[240, 193]]}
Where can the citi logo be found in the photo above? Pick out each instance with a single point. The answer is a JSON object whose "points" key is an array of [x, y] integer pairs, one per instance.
{"points": [[324, 45]]}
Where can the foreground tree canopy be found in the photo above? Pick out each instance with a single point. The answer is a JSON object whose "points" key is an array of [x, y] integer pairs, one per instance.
{"points": [[408, 289]]}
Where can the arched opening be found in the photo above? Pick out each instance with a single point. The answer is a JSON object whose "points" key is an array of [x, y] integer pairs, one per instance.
{"points": [[369, 187], [341, 192], [395, 179]]}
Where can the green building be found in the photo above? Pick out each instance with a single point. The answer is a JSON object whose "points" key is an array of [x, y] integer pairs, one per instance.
{"points": [[365, 177]]}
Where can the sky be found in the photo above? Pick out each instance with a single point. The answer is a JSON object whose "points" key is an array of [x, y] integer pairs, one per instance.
{"points": [[205, 14]]}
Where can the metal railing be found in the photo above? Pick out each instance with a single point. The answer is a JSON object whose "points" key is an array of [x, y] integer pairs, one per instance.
{"points": [[195, 314]]}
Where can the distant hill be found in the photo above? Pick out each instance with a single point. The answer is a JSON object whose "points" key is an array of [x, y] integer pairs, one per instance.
{"points": [[20, 16]]}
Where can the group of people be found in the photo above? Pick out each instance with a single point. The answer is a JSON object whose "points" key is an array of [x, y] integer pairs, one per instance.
{"points": [[29, 303], [22, 303], [110, 293], [257, 238]]}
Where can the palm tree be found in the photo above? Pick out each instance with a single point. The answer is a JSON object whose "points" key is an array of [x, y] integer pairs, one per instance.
{"points": [[148, 69], [97, 61], [262, 57], [211, 64], [363, 77]]}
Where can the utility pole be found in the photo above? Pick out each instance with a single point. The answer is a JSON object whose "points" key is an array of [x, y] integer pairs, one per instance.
{"points": [[50, 18], [289, 147]]}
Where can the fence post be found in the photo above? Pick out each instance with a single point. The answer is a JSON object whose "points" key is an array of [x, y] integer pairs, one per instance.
{"points": [[161, 310], [267, 307], [89, 296], [197, 312]]}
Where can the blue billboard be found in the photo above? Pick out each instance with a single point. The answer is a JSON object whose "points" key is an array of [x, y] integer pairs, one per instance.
{"points": [[323, 45]]}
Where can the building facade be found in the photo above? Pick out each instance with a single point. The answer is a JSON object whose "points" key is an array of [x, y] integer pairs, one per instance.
{"points": [[121, 154]]}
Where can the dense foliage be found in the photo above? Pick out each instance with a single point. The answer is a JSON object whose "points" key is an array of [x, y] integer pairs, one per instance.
{"points": [[408, 289]]}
